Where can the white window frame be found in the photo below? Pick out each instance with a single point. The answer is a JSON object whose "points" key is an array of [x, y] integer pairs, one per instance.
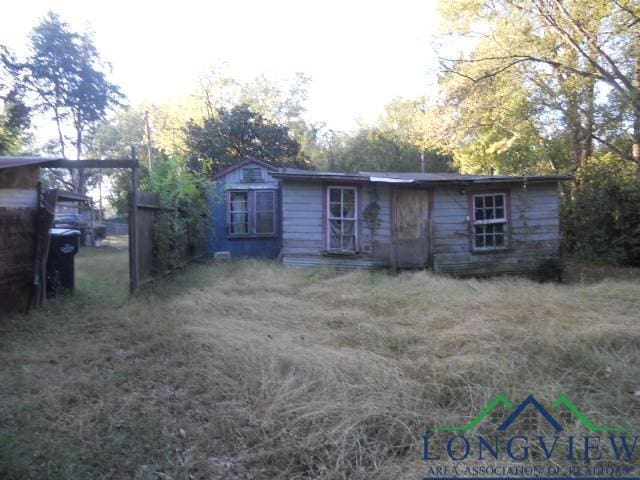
{"points": [[329, 217], [504, 220]]}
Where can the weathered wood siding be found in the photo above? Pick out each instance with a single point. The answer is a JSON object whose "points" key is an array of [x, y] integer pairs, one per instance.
{"points": [[303, 236], [534, 229], [18, 209], [534, 234]]}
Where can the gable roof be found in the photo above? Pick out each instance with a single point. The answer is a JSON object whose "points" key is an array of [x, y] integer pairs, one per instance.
{"points": [[246, 161], [413, 178]]}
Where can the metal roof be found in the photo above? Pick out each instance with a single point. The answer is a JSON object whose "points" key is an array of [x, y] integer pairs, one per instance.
{"points": [[14, 162], [73, 196], [415, 178]]}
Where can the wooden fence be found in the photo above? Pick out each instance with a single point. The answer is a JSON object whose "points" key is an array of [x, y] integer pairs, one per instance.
{"points": [[148, 229]]}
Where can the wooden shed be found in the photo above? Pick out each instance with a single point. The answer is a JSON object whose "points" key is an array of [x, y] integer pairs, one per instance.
{"points": [[19, 201], [451, 223], [245, 203]]}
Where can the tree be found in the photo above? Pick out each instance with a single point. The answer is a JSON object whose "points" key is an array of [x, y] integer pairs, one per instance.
{"points": [[236, 133], [67, 77], [559, 56], [15, 115]]}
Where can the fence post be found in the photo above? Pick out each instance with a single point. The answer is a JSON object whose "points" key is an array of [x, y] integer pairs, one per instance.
{"points": [[133, 227]]}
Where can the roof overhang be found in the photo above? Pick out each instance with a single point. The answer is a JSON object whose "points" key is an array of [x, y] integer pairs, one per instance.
{"points": [[405, 180], [64, 195], [44, 162]]}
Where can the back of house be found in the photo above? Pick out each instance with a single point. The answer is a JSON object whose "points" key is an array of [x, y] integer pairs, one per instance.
{"points": [[452, 223]]}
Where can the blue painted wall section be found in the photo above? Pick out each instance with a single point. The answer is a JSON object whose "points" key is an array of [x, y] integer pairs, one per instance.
{"points": [[218, 239]]}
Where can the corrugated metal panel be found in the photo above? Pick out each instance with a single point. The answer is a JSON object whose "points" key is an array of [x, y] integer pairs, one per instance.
{"points": [[339, 263]]}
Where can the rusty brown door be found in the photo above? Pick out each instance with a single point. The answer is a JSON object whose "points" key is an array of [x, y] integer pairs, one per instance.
{"points": [[411, 228]]}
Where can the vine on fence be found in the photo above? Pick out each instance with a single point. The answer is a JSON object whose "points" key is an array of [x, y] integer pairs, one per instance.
{"points": [[182, 222]]}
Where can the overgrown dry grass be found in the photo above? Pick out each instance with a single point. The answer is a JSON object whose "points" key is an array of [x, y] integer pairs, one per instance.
{"points": [[249, 370]]}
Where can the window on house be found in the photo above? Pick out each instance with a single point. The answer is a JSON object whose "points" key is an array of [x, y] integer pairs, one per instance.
{"points": [[252, 174], [265, 212], [489, 221], [252, 212], [239, 213], [342, 219]]}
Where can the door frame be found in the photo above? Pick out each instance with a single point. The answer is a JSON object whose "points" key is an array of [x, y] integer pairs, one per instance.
{"points": [[394, 223]]}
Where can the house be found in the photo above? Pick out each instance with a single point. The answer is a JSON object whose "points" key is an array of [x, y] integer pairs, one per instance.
{"points": [[451, 223], [245, 201]]}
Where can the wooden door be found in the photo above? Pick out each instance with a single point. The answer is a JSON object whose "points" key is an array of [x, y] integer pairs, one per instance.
{"points": [[411, 228]]}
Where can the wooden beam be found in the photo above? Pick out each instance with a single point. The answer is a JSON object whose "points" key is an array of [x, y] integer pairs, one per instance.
{"points": [[133, 228], [108, 163]]}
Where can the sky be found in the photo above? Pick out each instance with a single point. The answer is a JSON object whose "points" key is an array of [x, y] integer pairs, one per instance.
{"points": [[360, 55]]}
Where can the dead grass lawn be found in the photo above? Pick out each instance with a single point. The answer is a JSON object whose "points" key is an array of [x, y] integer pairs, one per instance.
{"points": [[247, 370]]}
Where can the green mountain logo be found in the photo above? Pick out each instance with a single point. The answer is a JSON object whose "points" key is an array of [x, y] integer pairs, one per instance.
{"points": [[562, 400]]}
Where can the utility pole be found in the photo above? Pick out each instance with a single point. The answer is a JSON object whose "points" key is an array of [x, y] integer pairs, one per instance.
{"points": [[149, 146], [422, 161]]}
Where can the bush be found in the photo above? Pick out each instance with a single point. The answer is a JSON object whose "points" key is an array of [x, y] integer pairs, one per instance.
{"points": [[549, 270], [601, 221]]}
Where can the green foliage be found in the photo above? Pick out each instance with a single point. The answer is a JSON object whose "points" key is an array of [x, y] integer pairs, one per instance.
{"points": [[373, 149], [602, 220], [67, 80], [15, 115], [236, 133], [184, 214]]}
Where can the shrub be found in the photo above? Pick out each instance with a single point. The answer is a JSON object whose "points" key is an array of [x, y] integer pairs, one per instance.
{"points": [[549, 270], [601, 221]]}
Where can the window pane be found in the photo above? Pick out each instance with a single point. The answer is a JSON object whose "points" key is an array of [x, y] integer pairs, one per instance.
{"points": [[348, 210], [499, 240], [479, 214], [499, 212], [239, 223], [479, 203], [349, 242], [335, 210], [499, 200], [488, 228], [265, 222], [238, 201], [489, 241], [348, 196], [479, 241], [335, 234], [479, 229], [264, 201], [348, 227], [488, 201], [334, 195], [498, 227], [488, 213]]}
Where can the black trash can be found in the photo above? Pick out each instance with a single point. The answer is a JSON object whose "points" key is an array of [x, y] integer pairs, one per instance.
{"points": [[63, 246]]}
